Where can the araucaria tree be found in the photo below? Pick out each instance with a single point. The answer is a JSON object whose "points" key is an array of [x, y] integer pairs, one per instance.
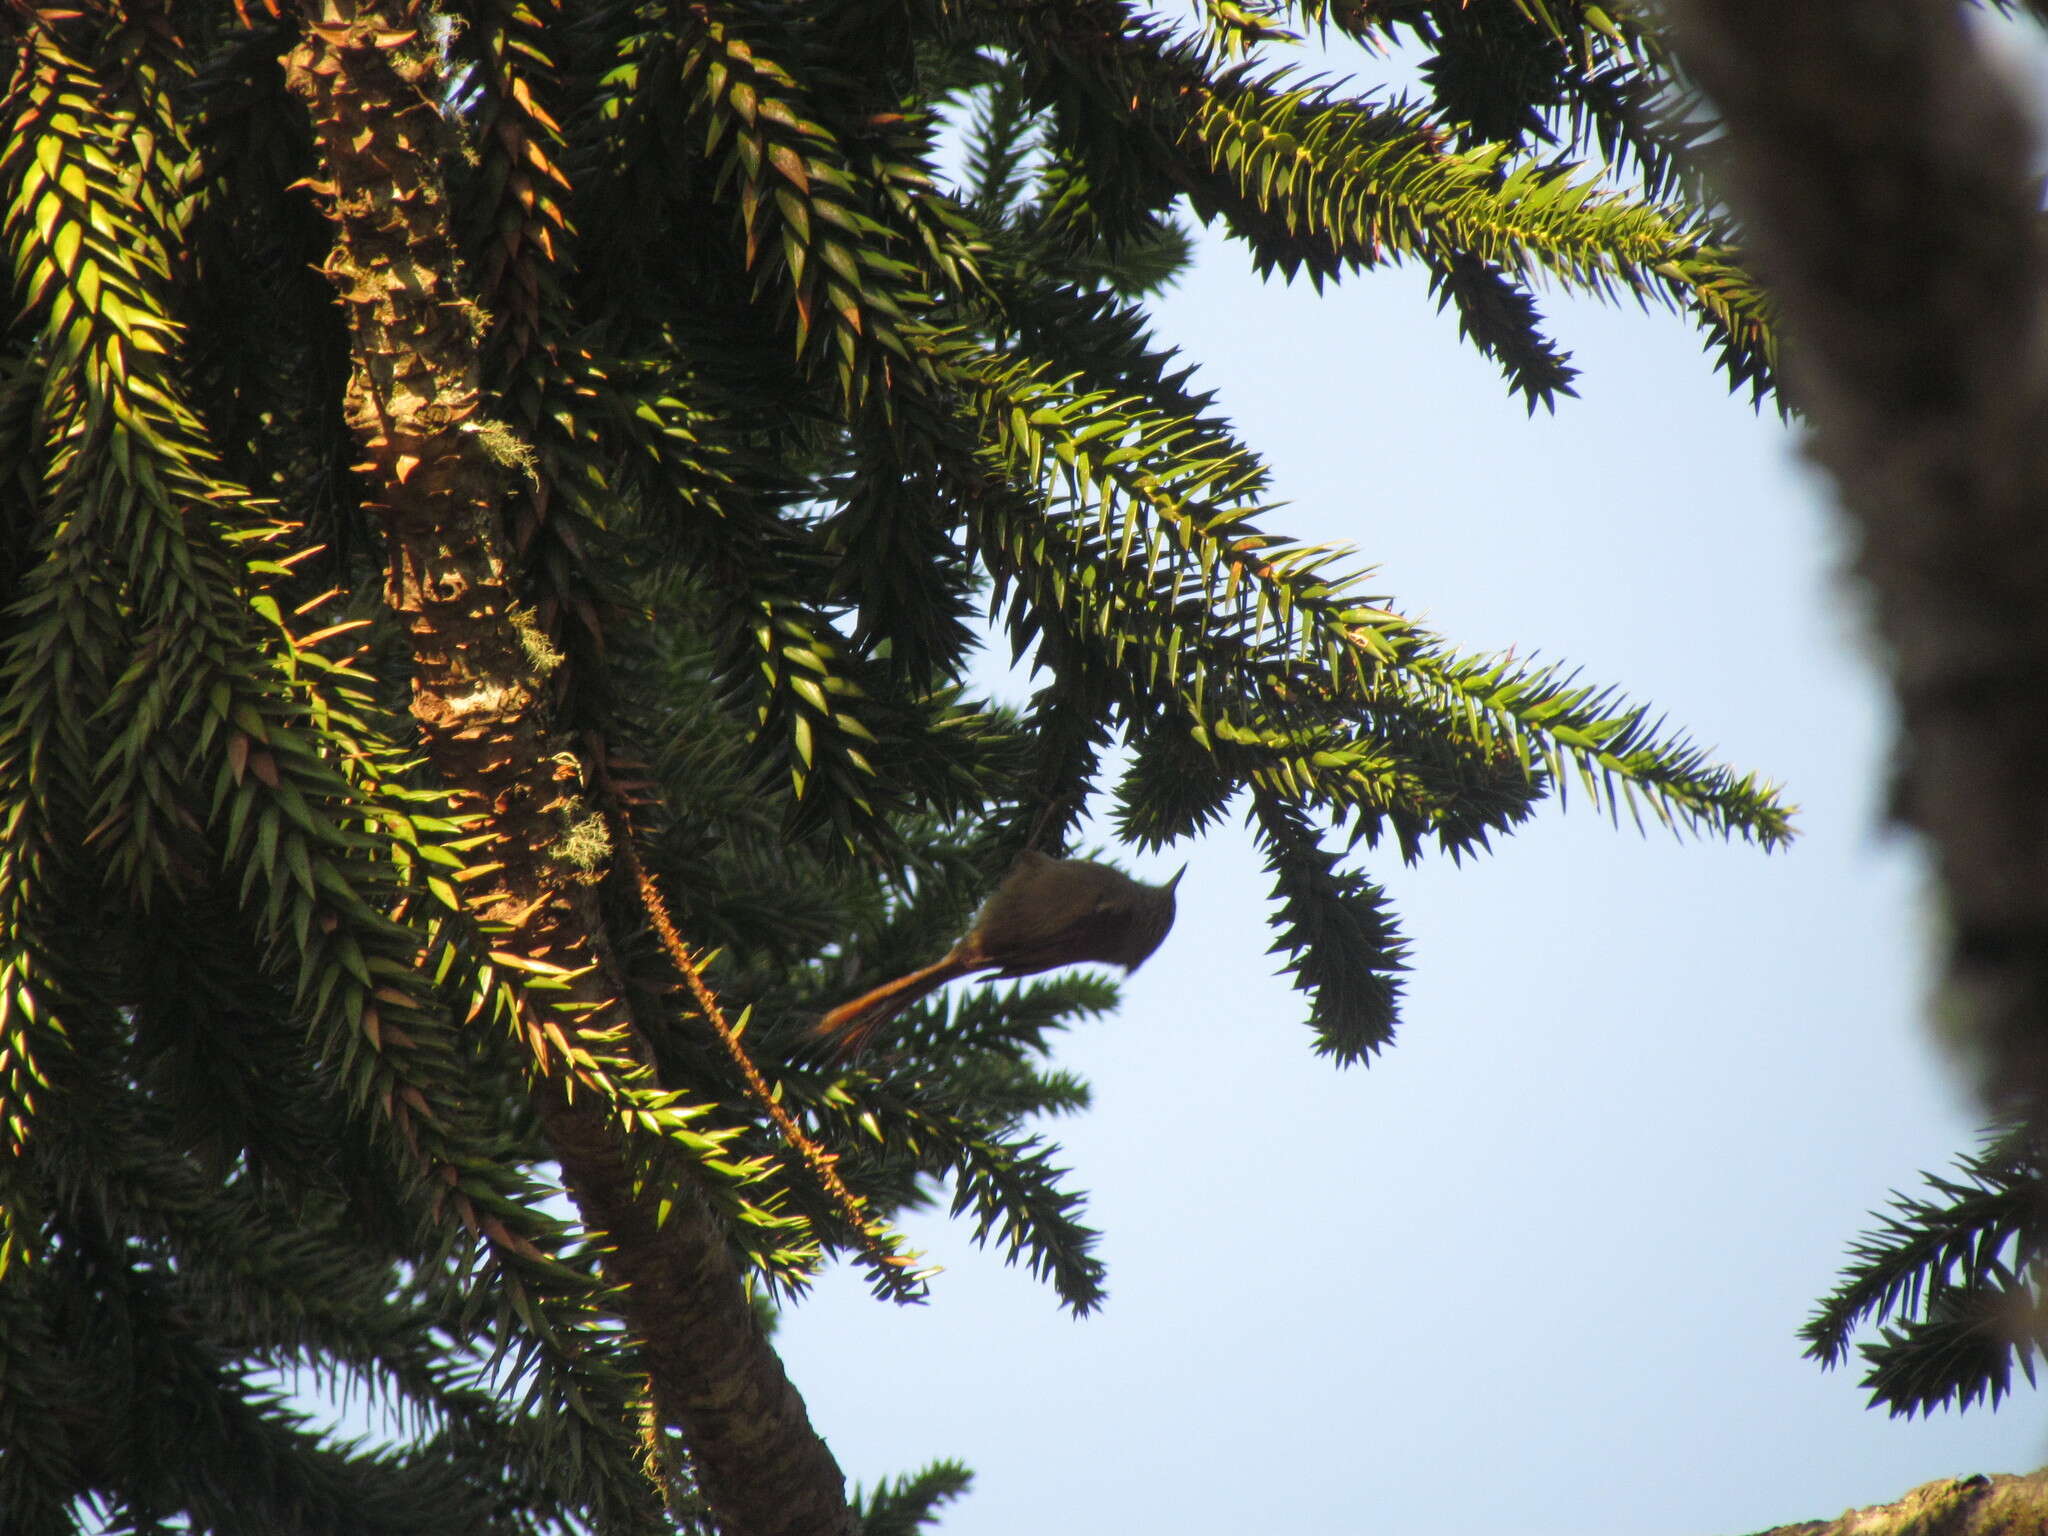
{"points": [[495, 502]]}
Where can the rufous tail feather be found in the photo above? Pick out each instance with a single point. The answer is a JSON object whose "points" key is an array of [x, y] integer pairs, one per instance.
{"points": [[852, 1025]]}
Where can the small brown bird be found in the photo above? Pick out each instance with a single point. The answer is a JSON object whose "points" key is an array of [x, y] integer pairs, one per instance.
{"points": [[1047, 912]]}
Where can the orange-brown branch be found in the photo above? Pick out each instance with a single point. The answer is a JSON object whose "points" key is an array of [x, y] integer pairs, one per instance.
{"points": [[822, 1164]]}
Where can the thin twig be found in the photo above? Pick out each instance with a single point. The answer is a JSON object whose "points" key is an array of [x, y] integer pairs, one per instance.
{"points": [[814, 1157]]}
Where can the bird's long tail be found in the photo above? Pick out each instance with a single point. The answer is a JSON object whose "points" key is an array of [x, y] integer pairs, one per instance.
{"points": [[850, 1026]]}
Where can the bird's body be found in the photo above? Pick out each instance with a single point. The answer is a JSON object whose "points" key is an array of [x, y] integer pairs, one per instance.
{"points": [[1047, 912]]}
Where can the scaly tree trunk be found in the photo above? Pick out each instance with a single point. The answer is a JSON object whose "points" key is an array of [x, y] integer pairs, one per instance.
{"points": [[438, 470]]}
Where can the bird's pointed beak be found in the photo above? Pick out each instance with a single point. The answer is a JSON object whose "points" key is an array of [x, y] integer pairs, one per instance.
{"points": [[1176, 877]]}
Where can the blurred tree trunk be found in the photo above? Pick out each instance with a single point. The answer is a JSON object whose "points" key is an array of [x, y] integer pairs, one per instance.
{"points": [[1885, 172]]}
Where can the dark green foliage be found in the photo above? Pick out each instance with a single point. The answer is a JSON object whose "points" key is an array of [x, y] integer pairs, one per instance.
{"points": [[1339, 932], [1597, 81], [909, 1504], [784, 414], [1951, 1282]]}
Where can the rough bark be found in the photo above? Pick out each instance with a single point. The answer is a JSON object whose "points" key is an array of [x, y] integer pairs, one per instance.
{"points": [[1955, 1506], [1884, 171], [438, 471]]}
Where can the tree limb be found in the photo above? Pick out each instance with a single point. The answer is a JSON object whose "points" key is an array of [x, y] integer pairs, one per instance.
{"points": [[1954, 1506]]}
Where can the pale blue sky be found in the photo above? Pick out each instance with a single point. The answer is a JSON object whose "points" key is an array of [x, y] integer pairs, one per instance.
{"points": [[1540, 1269]]}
